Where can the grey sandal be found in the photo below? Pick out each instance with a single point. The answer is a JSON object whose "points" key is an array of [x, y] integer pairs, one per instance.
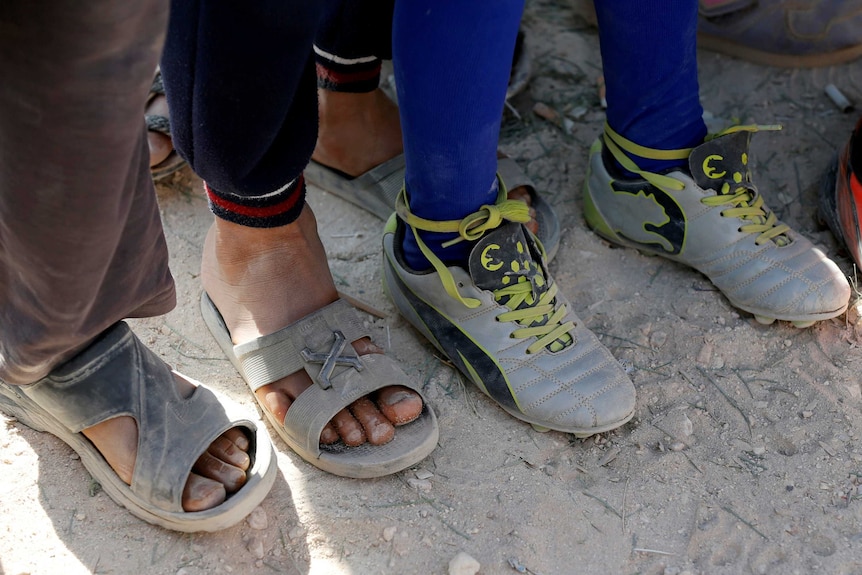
{"points": [[162, 125], [376, 190], [320, 343], [117, 375]]}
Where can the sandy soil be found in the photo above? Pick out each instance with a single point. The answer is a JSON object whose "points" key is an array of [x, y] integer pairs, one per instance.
{"points": [[744, 455]]}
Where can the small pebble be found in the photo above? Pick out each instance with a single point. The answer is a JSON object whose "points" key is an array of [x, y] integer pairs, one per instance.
{"points": [[806, 414], [786, 447], [389, 533], [420, 484], [295, 532], [759, 450], [80, 517], [255, 547], [423, 474], [75, 456], [687, 427], [677, 446], [658, 339], [578, 113], [463, 564], [257, 519]]}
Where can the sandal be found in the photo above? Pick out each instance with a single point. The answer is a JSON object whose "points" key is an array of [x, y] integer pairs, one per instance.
{"points": [[320, 344], [162, 125], [377, 189], [172, 431]]}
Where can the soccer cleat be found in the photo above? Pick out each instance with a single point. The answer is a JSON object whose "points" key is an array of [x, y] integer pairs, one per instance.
{"points": [[503, 323], [711, 217], [841, 197]]}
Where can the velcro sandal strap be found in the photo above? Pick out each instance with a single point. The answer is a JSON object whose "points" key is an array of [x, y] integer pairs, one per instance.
{"points": [[300, 345]]}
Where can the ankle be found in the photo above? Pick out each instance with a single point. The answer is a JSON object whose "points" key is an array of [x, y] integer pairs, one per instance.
{"points": [[357, 130], [262, 279]]}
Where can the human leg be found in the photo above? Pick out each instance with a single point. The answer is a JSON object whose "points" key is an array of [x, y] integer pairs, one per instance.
{"points": [[358, 152], [486, 299], [264, 267], [83, 248], [656, 185]]}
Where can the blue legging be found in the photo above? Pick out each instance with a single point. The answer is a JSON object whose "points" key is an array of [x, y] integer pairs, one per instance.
{"points": [[452, 60], [650, 65]]}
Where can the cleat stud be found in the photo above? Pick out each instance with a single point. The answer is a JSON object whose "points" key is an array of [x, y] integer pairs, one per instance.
{"points": [[762, 319], [540, 428], [801, 324]]}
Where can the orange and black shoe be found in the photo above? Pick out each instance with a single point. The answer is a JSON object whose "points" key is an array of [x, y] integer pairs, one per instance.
{"points": [[841, 196]]}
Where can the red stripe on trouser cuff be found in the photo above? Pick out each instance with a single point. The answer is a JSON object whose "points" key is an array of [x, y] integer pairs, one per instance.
{"points": [[328, 75], [258, 212]]}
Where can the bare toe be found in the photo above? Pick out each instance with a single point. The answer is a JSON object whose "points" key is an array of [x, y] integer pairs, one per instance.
{"points": [[350, 430], [399, 404], [229, 452], [377, 428], [238, 438], [211, 467], [201, 493]]}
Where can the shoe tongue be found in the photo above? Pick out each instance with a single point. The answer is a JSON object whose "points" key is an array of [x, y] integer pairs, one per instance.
{"points": [[502, 256], [724, 159]]}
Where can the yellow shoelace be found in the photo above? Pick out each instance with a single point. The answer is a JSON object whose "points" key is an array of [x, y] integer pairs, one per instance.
{"points": [[746, 204], [539, 316]]}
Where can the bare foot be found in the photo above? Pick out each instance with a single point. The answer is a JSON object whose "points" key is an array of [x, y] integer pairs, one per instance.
{"points": [[357, 131], [219, 471], [263, 279], [360, 131], [160, 144]]}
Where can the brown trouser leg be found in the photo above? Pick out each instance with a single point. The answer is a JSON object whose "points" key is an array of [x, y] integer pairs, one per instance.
{"points": [[81, 243]]}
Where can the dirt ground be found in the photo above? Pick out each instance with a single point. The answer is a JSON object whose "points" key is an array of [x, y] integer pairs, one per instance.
{"points": [[744, 455]]}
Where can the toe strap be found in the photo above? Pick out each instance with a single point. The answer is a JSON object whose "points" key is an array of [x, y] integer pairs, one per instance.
{"points": [[319, 343], [316, 406], [116, 376]]}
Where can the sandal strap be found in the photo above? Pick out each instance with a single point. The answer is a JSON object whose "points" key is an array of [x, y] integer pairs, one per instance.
{"points": [[158, 85], [117, 375], [156, 123], [315, 407], [275, 356]]}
